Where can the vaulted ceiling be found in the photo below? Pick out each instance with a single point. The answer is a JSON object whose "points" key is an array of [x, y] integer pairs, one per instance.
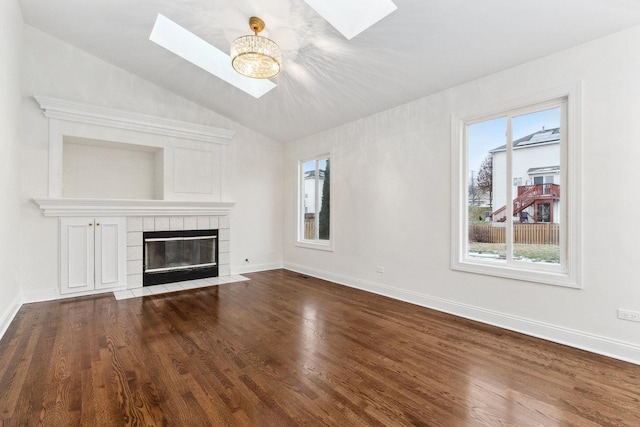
{"points": [[425, 46]]}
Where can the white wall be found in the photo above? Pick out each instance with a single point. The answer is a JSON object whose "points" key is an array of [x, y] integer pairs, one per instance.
{"points": [[255, 178], [392, 188], [54, 68], [10, 51]]}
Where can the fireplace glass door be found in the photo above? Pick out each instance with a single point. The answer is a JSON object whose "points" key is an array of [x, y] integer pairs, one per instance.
{"points": [[179, 255]]}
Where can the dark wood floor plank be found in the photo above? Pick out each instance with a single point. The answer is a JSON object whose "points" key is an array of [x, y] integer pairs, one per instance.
{"points": [[286, 349], [14, 366]]}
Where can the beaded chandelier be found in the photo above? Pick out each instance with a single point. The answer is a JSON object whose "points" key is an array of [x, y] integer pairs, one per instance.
{"points": [[256, 56]]}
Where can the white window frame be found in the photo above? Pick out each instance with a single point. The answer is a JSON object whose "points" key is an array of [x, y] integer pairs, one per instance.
{"points": [[325, 245], [569, 272]]}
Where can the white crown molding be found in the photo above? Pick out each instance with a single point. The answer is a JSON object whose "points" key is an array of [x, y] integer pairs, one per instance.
{"points": [[117, 207], [55, 108]]}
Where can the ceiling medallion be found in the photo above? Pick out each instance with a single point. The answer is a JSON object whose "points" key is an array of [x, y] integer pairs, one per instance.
{"points": [[256, 56]]}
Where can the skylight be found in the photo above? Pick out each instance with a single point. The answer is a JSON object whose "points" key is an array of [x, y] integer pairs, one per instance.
{"points": [[187, 45], [354, 16]]}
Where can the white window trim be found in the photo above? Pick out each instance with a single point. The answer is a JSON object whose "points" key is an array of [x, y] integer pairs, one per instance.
{"points": [[323, 245], [571, 162]]}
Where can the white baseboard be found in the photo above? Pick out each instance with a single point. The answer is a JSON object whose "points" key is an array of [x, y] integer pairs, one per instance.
{"points": [[53, 294], [43, 295], [573, 338], [9, 314], [252, 268]]}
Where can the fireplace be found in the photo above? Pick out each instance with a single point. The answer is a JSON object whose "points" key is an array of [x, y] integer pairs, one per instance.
{"points": [[175, 256]]}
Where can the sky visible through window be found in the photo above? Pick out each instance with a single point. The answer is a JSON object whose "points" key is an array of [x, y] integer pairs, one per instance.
{"points": [[490, 134], [311, 165]]}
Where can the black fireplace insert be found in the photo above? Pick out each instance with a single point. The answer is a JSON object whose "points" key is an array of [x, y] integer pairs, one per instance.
{"points": [[175, 256]]}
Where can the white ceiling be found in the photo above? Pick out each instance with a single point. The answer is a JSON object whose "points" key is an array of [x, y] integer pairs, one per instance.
{"points": [[422, 48]]}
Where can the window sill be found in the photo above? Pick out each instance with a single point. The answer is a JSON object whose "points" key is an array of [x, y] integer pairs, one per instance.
{"points": [[556, 278], [310, 244]]}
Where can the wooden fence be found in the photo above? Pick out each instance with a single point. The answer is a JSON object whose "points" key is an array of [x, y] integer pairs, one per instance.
{"points": [[309, 226], [536, 234]]}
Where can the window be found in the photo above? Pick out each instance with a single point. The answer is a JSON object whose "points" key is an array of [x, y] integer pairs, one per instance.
{"points": [[314, 222], [531, 228]]}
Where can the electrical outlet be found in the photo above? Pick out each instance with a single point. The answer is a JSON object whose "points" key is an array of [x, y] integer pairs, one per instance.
{"points": [[631, 315], [379, 269]]}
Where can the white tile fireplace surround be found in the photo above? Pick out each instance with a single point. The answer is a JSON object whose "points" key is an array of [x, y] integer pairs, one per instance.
{"points": [[137, 225]]}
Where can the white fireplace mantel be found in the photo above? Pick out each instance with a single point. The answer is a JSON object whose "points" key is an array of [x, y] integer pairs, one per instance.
{"points": [[121, 207]]}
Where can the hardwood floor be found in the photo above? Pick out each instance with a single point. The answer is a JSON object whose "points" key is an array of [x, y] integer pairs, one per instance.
{"points": [[287, 350]]}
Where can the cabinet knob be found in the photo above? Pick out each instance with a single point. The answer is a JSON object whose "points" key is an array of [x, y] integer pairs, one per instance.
{"points": [[97, 224], [90, 224]]}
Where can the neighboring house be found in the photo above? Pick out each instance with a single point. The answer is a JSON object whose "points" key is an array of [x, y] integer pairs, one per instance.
{"points": [[310, 191], [536, 178]]}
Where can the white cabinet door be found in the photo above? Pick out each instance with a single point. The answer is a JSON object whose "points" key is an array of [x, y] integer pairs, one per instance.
{"points": [[110, 252], [76, 255], [93, 253]]}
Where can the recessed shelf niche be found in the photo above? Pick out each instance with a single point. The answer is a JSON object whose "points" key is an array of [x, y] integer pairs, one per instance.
{"points": [[101, 169]]}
